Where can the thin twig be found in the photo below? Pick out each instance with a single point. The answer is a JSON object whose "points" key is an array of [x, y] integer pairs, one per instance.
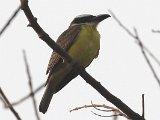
{"points": [[30, 85], [143, 106], [143, 48], [106, 115], [29, 95], [9, 105], [109, 109], [100, 109], [145, 56], [9, 20], [101, 106], [115, 117], [76, 66], [155, 31], [151, 54], [132, 35], [4, 102]]}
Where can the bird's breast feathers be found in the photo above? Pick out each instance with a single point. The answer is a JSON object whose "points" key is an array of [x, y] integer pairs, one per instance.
{"points": [[86, 45]]}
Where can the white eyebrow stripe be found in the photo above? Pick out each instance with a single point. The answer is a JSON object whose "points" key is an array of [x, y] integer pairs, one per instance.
{"points": [[74, 24], [83, 15]]}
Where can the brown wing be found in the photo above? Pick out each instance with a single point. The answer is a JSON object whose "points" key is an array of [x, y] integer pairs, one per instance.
{"points": [[64, 41]]}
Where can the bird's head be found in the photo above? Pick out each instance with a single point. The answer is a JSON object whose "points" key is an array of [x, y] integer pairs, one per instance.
{"points": [[89, 19]]}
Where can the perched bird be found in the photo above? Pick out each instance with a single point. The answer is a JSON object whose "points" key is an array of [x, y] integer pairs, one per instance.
{"points": [[82, 42]]}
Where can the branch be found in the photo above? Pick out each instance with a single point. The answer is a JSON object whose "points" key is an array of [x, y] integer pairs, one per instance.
{"points": [[28, 95], [114, 115], [141, 45], [132, 35], [98, 106], [80, 69], [10, 20], [30, 85], [9, 105], [146, 58], [155, 31], [143, 114]]}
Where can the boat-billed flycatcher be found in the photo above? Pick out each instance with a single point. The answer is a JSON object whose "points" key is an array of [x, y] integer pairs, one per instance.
{"points": [[82, 42]]}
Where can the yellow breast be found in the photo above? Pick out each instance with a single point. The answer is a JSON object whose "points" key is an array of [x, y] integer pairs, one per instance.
{"points": [[86, 46]]}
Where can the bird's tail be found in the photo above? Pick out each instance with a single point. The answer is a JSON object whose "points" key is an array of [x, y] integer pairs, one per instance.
{"points": [[54, 83], [46, 99]]}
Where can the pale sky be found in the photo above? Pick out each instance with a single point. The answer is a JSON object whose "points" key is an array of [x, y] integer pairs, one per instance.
{"points": [[120, 66]]}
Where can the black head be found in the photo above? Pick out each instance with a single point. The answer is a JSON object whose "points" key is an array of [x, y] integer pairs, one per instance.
{"points": [[87, 18]]}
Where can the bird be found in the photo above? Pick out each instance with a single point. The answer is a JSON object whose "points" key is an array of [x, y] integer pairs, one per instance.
{"points": [[82, 42]]}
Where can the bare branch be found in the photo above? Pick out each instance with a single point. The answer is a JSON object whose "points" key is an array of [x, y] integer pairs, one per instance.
{"points": [[29, 95], [4, 102], [30, 85], [142, 47], [132, 35], [77, 67], [115, 117], [106, 115], [10, 20], [108, 108], [9, 105], [145, 56], [143, 109], [155, 31], [98, 106], [151, 54]]}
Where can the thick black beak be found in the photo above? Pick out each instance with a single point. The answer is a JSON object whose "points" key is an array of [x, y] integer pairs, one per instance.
{"points": [[101, 17]]}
